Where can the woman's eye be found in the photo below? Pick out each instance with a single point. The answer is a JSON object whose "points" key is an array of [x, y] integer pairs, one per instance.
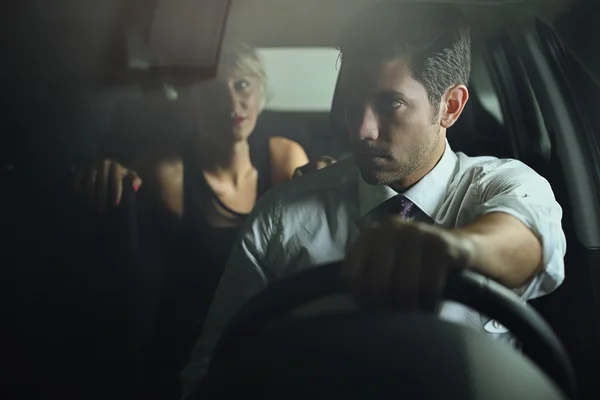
{"points": [[241, 85]]}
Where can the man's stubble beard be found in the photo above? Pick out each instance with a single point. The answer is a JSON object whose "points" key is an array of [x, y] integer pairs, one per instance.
{"points": [[419, 156]]}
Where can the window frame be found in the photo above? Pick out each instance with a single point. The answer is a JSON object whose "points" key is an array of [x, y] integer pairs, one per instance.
{"points": [[561, 62], [517, 101], [569, 155]]}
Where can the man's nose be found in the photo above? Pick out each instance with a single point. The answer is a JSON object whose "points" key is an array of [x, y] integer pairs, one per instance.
{"points": [[367, 125]]}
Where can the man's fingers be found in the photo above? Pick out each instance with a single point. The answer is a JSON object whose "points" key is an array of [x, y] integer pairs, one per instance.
{"points": [[400, 264], [324, 161], [432, 277], [405, 279], [314, 165], [320, 164], [353, 265], [378, 271], [300, 171]]}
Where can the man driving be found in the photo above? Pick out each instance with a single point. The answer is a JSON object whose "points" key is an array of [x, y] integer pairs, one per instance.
{"points": [[406, 208]]}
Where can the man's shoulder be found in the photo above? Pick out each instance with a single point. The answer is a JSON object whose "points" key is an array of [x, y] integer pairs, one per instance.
{"points": [[313, 190], [480, 168]]}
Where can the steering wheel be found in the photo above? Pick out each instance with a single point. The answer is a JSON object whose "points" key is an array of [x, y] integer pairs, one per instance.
{"points": [[463, 286]]}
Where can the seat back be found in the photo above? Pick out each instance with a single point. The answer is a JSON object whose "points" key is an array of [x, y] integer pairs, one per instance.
{"points": [[72, 271]]}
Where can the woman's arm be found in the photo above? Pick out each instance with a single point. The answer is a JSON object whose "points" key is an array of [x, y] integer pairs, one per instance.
{"points": [[164, 185], [286, 156], [101, 184], [158, 178]]}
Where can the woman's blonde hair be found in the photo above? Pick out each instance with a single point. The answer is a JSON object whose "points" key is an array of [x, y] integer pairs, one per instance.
{"points": [[237, 56], [242, 57]]}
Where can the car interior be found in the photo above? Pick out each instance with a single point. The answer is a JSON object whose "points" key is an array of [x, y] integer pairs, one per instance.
{"points": [[79, 84]]}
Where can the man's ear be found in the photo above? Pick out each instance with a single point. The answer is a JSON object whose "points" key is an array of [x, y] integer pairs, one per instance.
{"points": [[453, 103]]}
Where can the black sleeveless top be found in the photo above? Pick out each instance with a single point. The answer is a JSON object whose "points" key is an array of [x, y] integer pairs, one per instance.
{"points": [[193, 254]]}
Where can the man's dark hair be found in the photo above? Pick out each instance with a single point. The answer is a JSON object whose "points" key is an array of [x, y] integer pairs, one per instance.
{"points": [[431, 37]]}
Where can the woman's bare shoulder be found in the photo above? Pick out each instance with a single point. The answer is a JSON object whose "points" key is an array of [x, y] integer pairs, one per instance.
{"points": [[163, 182], [284, 144], [286, 156], [159, 166]]}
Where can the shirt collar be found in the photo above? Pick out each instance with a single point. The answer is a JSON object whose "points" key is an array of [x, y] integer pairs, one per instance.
{"points": [[427, 194]]}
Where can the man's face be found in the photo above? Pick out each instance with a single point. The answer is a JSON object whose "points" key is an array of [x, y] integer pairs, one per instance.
{"points": [[394, 130]]}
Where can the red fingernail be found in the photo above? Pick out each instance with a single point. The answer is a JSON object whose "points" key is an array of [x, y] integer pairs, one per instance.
{"points": [[117, 202], [136, 187]]}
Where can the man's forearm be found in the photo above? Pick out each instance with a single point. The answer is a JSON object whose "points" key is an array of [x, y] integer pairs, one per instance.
{"points": [[503, 248]]}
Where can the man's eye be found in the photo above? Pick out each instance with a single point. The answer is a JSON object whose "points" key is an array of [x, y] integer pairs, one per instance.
{"points": [[399, 103], [389, 106]]}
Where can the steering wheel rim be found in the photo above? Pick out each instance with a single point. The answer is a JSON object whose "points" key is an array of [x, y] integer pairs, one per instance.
{"points": [[463, 286]]}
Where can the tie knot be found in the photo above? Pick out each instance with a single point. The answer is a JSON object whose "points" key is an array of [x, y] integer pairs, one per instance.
{"points": [[403, 206], [397, 205]]}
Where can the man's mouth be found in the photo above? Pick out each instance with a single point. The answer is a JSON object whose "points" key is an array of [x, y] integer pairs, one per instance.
{"points": [[372, 152]]}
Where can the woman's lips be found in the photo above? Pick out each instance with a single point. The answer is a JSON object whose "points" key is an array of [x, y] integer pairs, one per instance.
{"points": [[238, 120]]}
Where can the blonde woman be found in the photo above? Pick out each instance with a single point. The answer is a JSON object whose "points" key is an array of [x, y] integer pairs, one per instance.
{"points": [[197, 198]]}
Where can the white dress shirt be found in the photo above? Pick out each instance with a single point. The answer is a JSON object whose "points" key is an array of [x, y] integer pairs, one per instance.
{"points": [[314, 220]]}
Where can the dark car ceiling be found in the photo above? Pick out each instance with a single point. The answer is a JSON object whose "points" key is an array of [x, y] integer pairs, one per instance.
{"points": [[73, 38], [318, 22]]}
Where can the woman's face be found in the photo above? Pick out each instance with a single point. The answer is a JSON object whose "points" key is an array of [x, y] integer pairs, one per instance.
{"points": [[228, 107]]}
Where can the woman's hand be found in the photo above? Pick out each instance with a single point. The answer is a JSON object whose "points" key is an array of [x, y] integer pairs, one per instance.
{"points": [[315, 164], [102, 184]]}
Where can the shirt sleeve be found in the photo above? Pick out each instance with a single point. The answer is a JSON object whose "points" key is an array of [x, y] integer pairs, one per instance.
{"points": [[514, 188], [244, 276]]}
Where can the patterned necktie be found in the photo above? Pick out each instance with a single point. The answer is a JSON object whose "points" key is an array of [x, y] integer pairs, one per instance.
{"points": [[400, 205], [404, 207]]}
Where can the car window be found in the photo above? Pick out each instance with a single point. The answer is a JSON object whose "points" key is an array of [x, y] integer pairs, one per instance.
{"points": [[300, 78], [483, 88]]}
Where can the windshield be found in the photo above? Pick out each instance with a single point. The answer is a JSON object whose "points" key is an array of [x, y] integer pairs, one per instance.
{"points": [[172, 159]]}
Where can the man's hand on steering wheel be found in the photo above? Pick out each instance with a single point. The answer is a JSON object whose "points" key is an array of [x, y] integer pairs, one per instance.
{"points": [[403, 265]]}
